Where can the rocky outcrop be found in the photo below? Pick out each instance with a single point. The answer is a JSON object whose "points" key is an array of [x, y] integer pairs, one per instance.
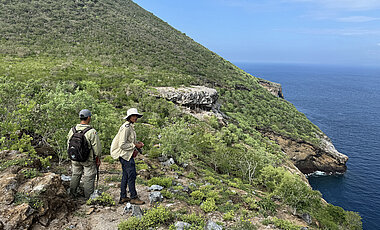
{"points": [[196, 96], [26, 200], [273, 88], [309, 158], [198, 101]]}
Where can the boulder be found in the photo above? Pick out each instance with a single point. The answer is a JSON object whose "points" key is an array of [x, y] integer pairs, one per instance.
{"points": [[155, 188], [180, 225], [211, 225], [24, 201], [136, 211], [155, 197]]}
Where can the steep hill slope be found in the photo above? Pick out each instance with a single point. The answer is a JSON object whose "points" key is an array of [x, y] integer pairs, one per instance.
{"points": [[108, 55]]}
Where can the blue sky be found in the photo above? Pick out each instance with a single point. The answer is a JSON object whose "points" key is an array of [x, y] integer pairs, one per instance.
{"points": [[343, 32]]}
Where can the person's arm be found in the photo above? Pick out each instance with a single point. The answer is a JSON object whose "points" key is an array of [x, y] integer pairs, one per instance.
{"points": [[69, 136], [96, 145]]}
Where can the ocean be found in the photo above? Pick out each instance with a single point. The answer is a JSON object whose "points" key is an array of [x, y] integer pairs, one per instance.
{"points": [[344, 102]]}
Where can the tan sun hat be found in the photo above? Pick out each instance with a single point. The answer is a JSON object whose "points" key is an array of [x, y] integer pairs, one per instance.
{"points": [[132, 111]]}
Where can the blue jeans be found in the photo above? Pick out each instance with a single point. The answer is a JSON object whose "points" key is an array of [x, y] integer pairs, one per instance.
{"points": [[128, 178]]}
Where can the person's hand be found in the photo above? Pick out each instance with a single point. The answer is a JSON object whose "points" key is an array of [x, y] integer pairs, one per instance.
{"points": [[139, 144], [97, 161]]}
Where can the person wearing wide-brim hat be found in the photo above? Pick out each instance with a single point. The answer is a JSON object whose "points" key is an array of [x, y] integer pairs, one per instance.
{"points": [[122, 148]]}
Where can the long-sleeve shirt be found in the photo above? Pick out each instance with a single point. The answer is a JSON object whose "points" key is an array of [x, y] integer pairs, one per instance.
{"points": [[124, 142], [92, 139]]}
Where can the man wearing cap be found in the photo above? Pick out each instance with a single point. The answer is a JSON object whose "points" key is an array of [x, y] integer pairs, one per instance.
{"points": [[122, 148], [89, 167]]}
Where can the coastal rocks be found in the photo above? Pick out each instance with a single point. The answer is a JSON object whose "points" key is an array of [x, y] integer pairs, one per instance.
{"points": [[273, 88], [309, 158]]}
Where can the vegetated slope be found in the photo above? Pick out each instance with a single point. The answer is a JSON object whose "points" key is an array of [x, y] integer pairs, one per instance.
{"points": [[57, 58], [107, 39]]}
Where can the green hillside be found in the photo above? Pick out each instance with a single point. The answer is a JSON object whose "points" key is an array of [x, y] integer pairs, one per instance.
{"points": [[59, 57]]}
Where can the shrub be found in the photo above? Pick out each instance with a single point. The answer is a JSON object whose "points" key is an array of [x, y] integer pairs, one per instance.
{"points": [[243, 225], [198, 195], [109, 159], [208, 205], [281, 224], [105, 199], [229, 215], [163, 181], [152, 218], [193, 219]]}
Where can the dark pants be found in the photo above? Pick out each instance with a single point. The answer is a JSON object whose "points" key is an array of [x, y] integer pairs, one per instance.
{"points": [[128, 178]]}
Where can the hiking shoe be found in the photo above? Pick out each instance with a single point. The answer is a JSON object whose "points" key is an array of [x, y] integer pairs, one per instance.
{"points": [[137, 201], [124, 200]]}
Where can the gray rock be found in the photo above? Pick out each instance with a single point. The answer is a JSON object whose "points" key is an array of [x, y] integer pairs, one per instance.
{"points": [[95, 194], [186, 189], [65, 178], [304, 228], [211, 225], [168, 162], [180, 225], [128, 208], [155, 188], [162, 158], [199, 96], [136, 211], [155, 197], [307, 218], [193, 185]]}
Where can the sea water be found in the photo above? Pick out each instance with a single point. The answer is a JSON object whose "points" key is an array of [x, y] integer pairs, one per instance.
{"points": [[344, 102]]}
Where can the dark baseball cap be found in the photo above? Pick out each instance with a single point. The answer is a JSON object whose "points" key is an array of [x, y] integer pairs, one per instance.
{"points": [[84, 113]]}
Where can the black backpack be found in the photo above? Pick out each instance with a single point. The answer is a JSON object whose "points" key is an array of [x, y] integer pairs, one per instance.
{"points": [[78, 147]]}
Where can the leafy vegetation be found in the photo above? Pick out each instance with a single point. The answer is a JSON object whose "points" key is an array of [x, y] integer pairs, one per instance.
{"points": [[104, 199], [56, 59]]}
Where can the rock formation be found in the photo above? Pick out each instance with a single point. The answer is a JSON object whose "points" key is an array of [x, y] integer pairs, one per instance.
{"points": [[200, 101], [309, 158], [196, 100], [273, 88], [25, 201]]}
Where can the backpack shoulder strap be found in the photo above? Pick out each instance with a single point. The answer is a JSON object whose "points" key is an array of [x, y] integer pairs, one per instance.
{"points": [[74, 130], [86, 130]]}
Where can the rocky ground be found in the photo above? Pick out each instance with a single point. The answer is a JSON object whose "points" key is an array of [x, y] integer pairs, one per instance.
{"points": [[42, 202]]}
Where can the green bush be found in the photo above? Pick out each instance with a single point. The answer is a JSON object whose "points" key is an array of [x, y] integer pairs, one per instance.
{"points": [[163, 181], [109, 159], [229, 215], [105, 199], [243, 225], [281, 224], [152, 218], [208, 205]]}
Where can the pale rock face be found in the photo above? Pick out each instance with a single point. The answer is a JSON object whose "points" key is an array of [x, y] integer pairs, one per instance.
{"points": [[198, 101], [309, 158], [273, 88]]}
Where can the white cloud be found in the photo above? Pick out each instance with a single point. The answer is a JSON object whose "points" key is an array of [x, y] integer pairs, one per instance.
{"points": [[338, 32], [353, 5], [378, 44], [357, 19]]}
